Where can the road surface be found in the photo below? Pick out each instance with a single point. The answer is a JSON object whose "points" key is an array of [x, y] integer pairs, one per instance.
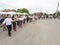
{"points": [[43, 32]]}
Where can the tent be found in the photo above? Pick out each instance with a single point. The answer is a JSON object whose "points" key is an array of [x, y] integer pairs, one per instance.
{"points": [[2, 13], [19, 13], [25, 14], [11, 13]]}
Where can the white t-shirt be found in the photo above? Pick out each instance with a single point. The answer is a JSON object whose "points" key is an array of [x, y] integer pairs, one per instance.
{"points": [[30, 16], [21, 19], [17, 19], [24, 17], [33, 18], [7, 21]]}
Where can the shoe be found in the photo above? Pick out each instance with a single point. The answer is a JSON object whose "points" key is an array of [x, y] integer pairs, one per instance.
{"points": [[9, 35]]}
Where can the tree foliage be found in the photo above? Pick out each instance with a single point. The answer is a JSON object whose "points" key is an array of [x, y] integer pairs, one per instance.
{"points": [[14, 10], [24, 10], [58, 13]]}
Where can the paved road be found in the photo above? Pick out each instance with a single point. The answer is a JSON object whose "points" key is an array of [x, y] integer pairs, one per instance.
{"points": [[43, 32]]}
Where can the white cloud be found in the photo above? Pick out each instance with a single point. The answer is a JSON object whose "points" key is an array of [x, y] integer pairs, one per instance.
{"points": [[48, 6]]}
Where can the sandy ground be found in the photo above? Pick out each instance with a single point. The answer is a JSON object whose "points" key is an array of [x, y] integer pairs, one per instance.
{"points": [[43, 32]]}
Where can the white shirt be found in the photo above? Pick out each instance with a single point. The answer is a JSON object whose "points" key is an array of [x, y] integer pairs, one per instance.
{"points": [[8, 21], [21, 19], [15, 17], [30, 16], [24, 17]]}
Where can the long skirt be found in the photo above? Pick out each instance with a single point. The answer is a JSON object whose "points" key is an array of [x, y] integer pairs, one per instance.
{"points": [[14, 26]]}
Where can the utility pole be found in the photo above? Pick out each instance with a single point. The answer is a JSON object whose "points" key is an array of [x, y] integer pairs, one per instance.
{"points": [[57, 8]]}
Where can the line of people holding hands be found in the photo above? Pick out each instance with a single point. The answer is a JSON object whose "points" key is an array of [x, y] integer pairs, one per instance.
{"points": [[10, 22]]}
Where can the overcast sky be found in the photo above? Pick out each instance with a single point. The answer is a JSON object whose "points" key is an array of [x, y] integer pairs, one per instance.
{"points": [[48, 6]]}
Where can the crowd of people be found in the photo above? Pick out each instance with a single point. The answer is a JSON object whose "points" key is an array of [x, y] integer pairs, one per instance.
{"points": [[9, 22]]}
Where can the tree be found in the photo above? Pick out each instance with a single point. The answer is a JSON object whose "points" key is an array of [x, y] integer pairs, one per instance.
{"points": [[24, 10], [58, 13], [45, 13], [14, 10], [18, 10], [41, 13]]}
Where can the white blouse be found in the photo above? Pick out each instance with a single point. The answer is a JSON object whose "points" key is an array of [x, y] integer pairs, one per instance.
{"points": [[7, 21]]}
